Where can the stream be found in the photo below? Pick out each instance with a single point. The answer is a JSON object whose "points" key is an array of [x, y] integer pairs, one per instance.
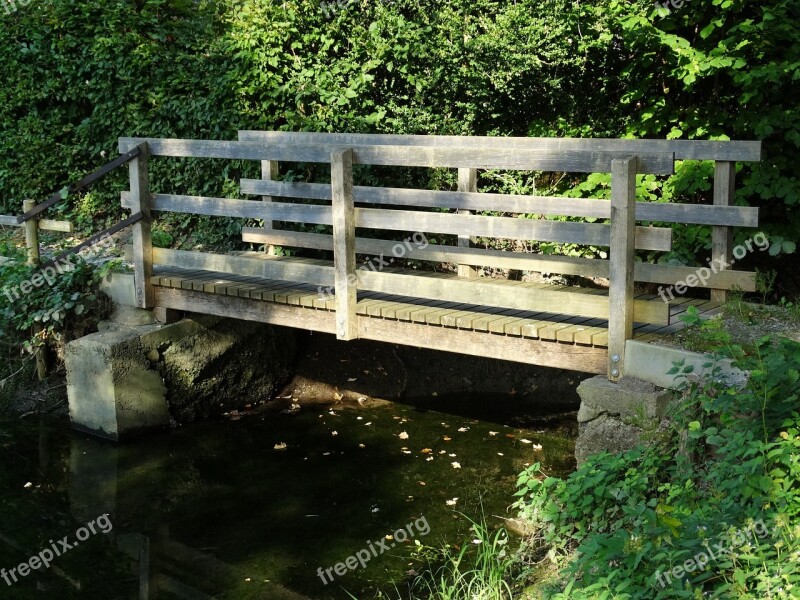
{"points": [[263, 507]]}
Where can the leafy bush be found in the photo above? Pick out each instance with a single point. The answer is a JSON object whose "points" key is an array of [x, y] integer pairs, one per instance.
{"points": [[620, 522], [80, 75], [48, 315]]}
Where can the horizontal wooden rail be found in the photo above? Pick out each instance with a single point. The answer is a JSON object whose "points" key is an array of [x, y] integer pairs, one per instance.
{"points": [[738, 151], [44, 224], [408, 156], [480, 257], [519, 296], [86, 181], [699, 214], [592, 234]]}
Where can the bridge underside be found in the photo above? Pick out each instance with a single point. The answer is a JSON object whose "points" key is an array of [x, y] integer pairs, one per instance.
{"points": [[545, 339]]}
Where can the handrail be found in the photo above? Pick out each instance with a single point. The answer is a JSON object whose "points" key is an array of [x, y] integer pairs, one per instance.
{"points": [[132, 220], [88, 180]]}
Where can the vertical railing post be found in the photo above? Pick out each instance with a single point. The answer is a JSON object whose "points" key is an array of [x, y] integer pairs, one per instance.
{"points": [[721, 236], [467, 182], [622, 252], [269, 172], [31, 233], [141, 201], [344, 244]]}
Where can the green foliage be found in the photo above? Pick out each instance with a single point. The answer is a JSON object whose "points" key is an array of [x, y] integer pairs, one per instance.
{"points": [[80, 75], [729, 466], [48, 315], [479, 570]]}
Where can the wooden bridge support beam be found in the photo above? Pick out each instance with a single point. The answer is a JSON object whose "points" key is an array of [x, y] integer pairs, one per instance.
{"points": [[141, 201], [344, 244], [467, 182], [621, 257], [269, 172], [722, 237]]}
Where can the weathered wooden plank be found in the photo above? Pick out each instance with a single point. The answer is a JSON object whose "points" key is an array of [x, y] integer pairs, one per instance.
{"points": [[269, 172], [44, 224], [683, 149], [142, 236], [572, 161], [491, 294], [594, 234], [722, 237], [567, 265], [344, 244], [551, 354], [621, 255], [467, 182], [272, 268], [470, 200]]}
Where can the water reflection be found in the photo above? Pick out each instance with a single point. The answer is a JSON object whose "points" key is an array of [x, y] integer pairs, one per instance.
{"points": [[218, 510]]}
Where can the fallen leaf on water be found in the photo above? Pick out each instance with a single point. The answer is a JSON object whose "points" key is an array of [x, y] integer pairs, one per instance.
{"points": [[463, 429], [493, 433], [456, 465], [510, 436], [406, 451], [452, 455], [446, 439], [326, 454], [442, 451], [426, 451], [452, 502], [361, 446], [367, 424], [281, 446], [352, 379], [537, 446], [524, 441], [334, 433], [422, 483], [429, 459], [403, 436], [28, 485], [500, 454]]}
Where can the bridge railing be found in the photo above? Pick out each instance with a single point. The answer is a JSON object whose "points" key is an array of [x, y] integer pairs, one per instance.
{"points": [[394, 209]]}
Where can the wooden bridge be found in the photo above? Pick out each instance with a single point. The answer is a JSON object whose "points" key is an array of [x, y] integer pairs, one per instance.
{"points": [[364, 292]]}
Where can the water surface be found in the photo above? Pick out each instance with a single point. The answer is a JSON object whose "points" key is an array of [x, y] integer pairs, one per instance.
{"points": [[254, 508]]}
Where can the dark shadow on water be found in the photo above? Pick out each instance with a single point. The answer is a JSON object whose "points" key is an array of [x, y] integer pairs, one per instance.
{"points": [[221, 509]]}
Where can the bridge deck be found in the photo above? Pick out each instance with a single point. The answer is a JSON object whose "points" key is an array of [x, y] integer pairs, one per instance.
{"points": [[440, 319]]}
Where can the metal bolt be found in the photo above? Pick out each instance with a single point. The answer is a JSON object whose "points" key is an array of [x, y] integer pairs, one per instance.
{"points": [[615, 372], [615, 358]]}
